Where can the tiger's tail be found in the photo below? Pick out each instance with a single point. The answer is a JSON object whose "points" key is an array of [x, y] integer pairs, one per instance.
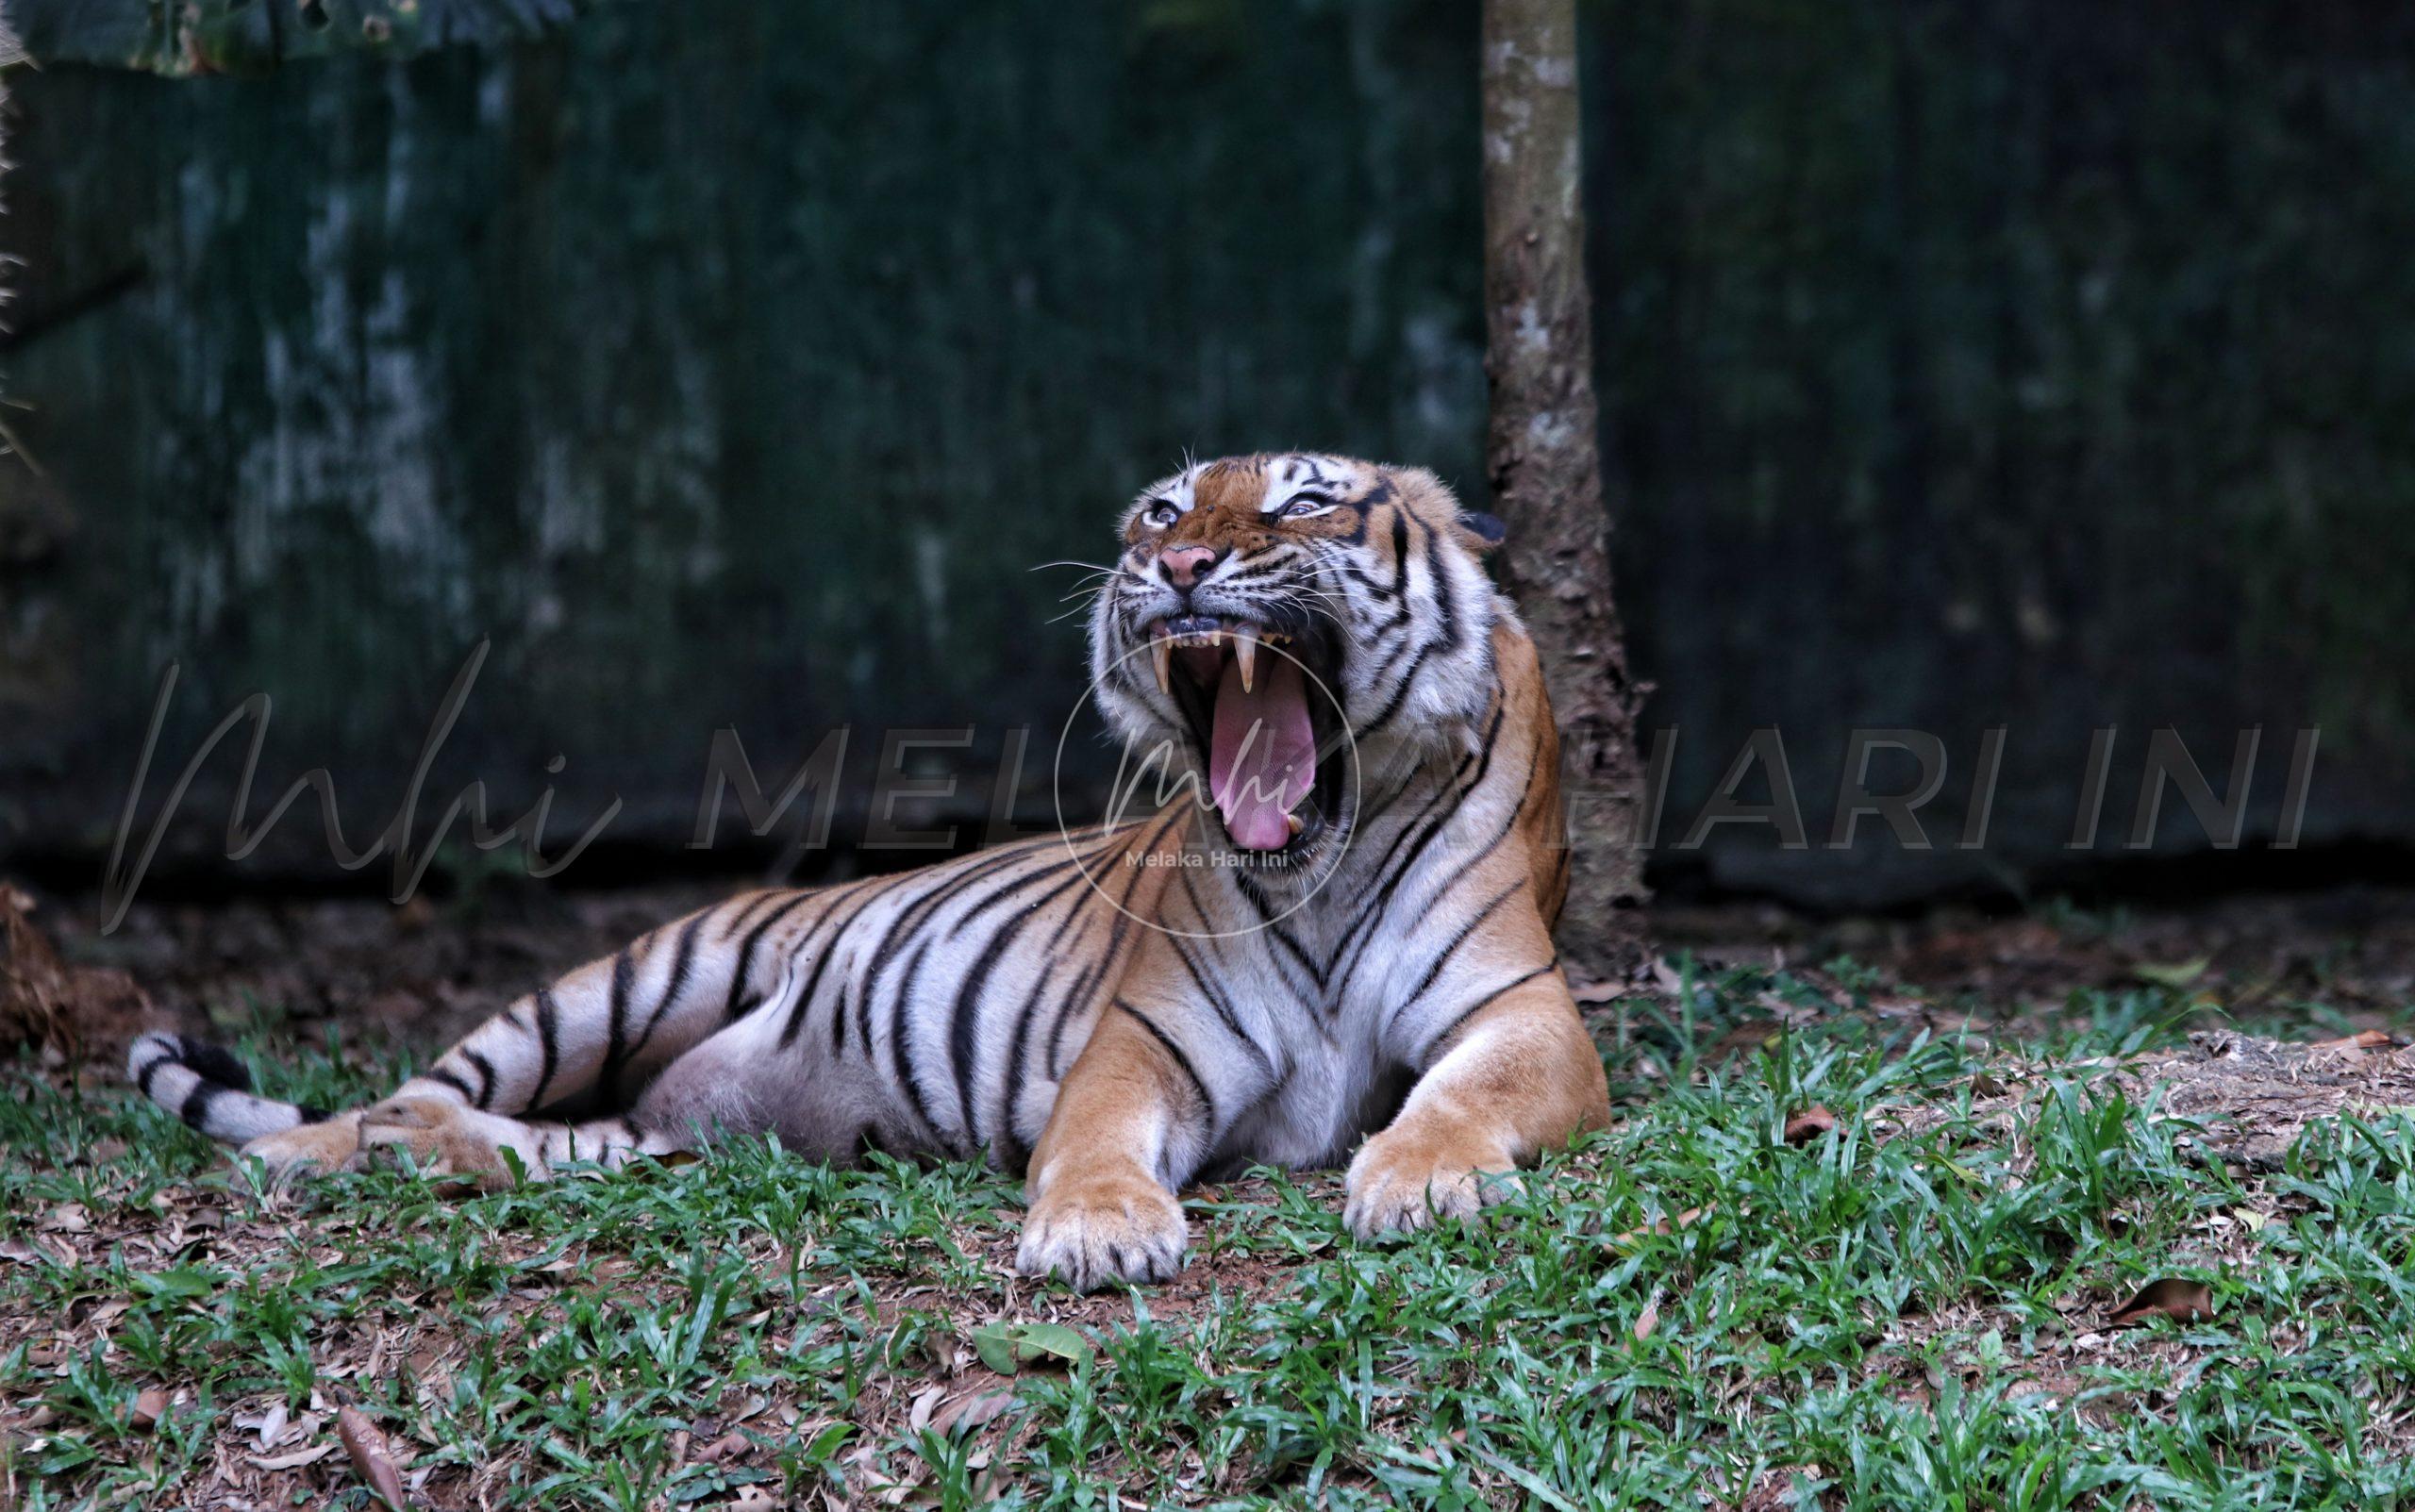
{"points": [[210, 1090]]}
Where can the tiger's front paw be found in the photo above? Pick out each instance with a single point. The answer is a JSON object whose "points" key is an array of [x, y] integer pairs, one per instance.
{"points": [[1406, 1179], [1095, 1229]]}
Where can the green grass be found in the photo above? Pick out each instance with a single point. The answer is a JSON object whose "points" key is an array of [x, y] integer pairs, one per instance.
{"points": [[1873, 1319]]}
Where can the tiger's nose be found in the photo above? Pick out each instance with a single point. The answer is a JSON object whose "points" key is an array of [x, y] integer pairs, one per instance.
{"points": [[1183, 564]]}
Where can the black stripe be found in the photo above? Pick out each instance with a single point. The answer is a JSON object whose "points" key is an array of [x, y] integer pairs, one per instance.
{"points": [[485, 1069], [1400, 695], [910, 917], [968, 1004], [901, 1051], [1078, 993], [1516, 811], [1252, 894], [1011, 890], [1018, 1071], [437, 1073], [1443, 958], [616, 1022], [760, 900], [1402, 604], [734, 1009], [1207, 1104], [680, 966], [1424, 1056], [1218, 1001], [1433, 824], [151, 1068], [1458, 779], [195, 1112], [1446, 603], [831, 926], [215, 1062], [547, 1012]]}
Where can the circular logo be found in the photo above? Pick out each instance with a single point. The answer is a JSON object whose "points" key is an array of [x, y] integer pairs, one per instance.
{"points": [[1176, 778]]}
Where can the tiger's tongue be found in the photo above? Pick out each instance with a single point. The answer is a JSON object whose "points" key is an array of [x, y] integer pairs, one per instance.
{"points": [[1263, 755]]}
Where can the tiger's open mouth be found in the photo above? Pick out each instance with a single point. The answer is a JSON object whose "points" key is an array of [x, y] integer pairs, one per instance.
{"points": [[1259, 703]]}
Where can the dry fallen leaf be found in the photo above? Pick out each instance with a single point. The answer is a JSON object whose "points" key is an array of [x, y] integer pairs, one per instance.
{"points": [[973, 1408], [272, 1428], [1810, 1124], [150, 1407], [370, 1458], [1666, 1225], [2175, 1297], [728, 1446], [294, 1460], [1649, 1318], [2367, 1039]]}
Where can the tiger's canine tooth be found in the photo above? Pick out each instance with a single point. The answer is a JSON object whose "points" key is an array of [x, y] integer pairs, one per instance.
{"points": [[1245, 655], [1296, 823], [1161, 648]]}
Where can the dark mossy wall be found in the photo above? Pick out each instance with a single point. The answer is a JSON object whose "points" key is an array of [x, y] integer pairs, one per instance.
{"points": [[2016, 363], [732, 364]]}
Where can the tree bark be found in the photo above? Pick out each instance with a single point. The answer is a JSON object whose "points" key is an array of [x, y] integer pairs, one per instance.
{"points": [[1545, 462]]}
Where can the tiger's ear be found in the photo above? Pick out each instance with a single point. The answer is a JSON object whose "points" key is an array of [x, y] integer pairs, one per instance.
{"points": [[1480, 532]]}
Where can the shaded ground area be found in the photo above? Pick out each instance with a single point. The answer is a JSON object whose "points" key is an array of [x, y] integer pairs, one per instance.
{"points": [[1929, 1287], [422, 974]]}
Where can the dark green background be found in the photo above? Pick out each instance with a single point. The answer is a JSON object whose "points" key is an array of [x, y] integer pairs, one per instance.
{"points": [[727, 363]]}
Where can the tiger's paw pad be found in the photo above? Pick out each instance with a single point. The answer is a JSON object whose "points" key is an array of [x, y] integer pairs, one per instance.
{"points": [[1398, 1183], [1099, 1230]]}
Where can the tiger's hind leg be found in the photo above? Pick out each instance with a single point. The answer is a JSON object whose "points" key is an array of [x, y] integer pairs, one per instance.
{"points": [[540, 1079], [741, 1080]]}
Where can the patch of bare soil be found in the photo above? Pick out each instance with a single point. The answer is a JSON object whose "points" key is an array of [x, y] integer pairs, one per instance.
{"points": [[2351, 948], [2249, 1099], [423, 973]]}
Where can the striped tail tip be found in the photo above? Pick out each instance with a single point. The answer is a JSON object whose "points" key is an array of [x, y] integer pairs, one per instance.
{"points": [[209, 1089]]}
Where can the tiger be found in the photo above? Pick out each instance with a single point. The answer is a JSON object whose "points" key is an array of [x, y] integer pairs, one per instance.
{"points": [[1330, 945]]}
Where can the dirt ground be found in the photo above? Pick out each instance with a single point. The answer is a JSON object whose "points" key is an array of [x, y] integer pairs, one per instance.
{"points": [[425, 972], [422, 974], [2309, 965]]}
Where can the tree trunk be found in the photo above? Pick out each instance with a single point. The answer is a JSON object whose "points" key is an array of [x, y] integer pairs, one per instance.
{"points": [[1546, 464]]}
